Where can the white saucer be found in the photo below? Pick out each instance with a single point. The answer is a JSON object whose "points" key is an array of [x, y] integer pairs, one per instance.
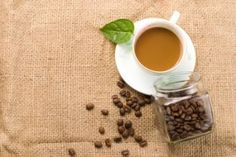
{"points": [[137, 77]]}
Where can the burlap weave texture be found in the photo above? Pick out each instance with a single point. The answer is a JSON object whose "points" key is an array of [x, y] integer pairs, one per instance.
{"points": [[54, 60]]}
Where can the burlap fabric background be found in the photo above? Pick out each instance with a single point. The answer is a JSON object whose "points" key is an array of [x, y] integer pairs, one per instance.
{"points": [[53, 60]]}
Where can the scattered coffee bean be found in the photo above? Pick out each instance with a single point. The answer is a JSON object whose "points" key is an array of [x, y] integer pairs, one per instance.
{"points": [[138, 138], [89, 106], [116, 100], [125, 134], [123, 92], [131, 131], [108, 142], [120, 104], [121, 129], [137, 108], [134, 105], [117, 139], [105, 112], [120, 122], [122, 111], [128, 124], [134, 99], [127, 109], [125, 153], [138, 114], [147, 101], [143, 143], [71, 152], [141, 102], [101, 130], [98, 144], [120, 84], [129, 103], [128, 94], [114, 97]]}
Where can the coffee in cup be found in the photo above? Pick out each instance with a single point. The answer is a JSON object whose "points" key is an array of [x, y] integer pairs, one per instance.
{"points": [[158, 49]]}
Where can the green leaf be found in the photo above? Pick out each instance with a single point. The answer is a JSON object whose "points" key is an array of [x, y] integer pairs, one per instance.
{"points": [[118, 31]]}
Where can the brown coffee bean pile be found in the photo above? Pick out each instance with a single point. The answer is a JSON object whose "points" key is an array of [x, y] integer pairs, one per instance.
{"points": [[131, 103], [71, 152], [125, 129], [186, 118], [126, 103]]}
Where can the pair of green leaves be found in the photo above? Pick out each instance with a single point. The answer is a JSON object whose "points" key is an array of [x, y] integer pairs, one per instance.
{"points": [[118, 31]]}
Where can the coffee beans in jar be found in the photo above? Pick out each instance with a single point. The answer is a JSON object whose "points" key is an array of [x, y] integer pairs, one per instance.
{"points": [[183, 109]]}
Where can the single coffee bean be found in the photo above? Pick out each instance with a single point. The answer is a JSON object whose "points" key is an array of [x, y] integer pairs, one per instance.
{"points": [[131, 131], [201, 109], [138, 114], [189, 111], [194, 115], [123, 93], [120, 84], [168, 111], [127, 94], [120, 122], [105, 112], [176, 114], [117, 139], [137, 108], [98, 144], [121, 129], [174, 107], [143, 143], [197, 125], [71, 152], [108, 142], [134, 105], [170, 127], [125, 153], [120, 104], [147, 101], [114, 97], [187, 127], [116, 100], [89, 106], [188, 118], [180, 111], [129, 103], [178, 120], [141, 102], [138, 138], [125, 134], [179, 130], [186, 104], [128, 99], [128, 124], [134, 99], [182, 116], [122, 111], [127, 109], [101, 130]]}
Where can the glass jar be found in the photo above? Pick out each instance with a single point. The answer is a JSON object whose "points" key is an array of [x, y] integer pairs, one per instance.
{"points": [[183, 107]]}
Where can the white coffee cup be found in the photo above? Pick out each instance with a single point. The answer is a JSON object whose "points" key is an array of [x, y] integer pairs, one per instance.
{"points": [[167, 24]]}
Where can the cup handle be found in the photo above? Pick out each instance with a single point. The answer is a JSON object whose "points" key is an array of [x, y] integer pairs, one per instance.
{"points": [[175, 16]]}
